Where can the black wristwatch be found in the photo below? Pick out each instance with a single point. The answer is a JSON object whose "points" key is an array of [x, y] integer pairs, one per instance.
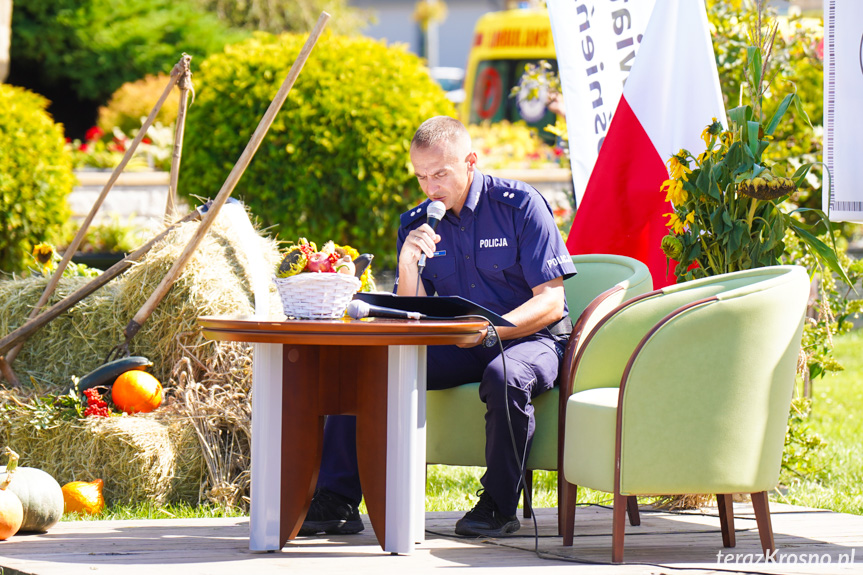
{"points": [[490, 339]]}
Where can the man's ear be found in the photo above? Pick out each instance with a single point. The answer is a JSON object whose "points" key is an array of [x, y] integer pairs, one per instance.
{"points": [[471, 160]]}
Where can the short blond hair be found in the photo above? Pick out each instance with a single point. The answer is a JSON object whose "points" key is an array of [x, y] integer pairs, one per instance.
{"points": [[441, 129]]}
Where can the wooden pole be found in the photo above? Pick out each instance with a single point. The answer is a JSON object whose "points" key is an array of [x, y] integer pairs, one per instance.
{"points": [[32, 325], [185, 84], [230, 183], [79, 237]]}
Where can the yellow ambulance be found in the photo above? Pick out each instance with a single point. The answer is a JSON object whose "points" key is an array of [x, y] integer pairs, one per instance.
{"points": [[503, 43]]}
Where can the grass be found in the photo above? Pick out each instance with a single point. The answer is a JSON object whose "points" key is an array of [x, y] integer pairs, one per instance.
{"points": [[120, 511], [837, 416], [454, 488]]}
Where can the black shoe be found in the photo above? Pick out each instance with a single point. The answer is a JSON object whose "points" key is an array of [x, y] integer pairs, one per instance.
{"points": [[332, 514], [485, 520]]}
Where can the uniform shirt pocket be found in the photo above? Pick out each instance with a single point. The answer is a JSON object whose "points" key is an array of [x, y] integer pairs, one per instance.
{"points": [[440, 271], [492, 263]]}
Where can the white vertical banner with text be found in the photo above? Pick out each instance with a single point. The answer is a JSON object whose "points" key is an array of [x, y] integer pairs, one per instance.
{"points": [[596, 42], [843, 108]]}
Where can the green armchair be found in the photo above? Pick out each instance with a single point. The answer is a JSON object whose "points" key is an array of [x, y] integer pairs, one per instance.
{"points": [[603, 282], [687, 390]]}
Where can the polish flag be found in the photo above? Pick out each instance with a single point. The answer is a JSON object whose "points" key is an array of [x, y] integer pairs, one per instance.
{"points": [[671, 95]]}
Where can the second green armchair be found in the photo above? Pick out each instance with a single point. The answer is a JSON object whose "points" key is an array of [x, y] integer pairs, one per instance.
{"points": [[687, 390]]}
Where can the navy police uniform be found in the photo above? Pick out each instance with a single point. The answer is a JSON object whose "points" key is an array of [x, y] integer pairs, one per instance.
{"points": [[503, 243]]}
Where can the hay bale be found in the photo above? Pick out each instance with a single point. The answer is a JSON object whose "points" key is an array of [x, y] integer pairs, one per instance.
{"points": [[72, 344], [149, 457], [197, 446], [215, 281]]}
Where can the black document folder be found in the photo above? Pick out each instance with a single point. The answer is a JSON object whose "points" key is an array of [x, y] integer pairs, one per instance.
{"points": [[435, 307]]}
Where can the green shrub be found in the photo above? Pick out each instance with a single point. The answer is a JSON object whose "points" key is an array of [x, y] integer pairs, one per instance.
{"points": [[92, 47], [335, 163], [279, 16], [35, 177], [135, 100]]}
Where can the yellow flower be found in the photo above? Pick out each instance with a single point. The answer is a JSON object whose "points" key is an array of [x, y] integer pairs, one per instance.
{"points": [[677, 225], [44, 254], [673, 222], [342, 250], [674, 192], [714, 129], [706, 136], [678, 166]]}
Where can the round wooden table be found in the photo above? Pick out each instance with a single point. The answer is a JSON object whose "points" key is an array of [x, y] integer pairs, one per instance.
{"points": [[305, 370]]}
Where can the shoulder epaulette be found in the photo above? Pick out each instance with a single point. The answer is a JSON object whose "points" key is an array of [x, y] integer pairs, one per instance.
{"points": [[414, 214], [511, 196]]}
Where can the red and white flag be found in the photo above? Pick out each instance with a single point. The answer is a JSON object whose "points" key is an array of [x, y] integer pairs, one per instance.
{"points": [[671, 95]]}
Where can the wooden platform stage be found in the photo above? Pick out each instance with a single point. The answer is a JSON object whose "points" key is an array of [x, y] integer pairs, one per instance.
{"points": [[690, 542]]}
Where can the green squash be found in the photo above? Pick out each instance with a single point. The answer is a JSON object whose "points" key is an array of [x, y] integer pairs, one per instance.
{"points": [[40, 495]]}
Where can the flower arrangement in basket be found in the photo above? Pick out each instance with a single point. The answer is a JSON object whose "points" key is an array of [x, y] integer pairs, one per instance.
{"points": [[319, 284]]}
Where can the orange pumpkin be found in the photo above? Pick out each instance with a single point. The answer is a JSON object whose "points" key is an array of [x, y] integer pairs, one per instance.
{"points": [[11, 514], [136, 392], [83, 497], [11, 510]]}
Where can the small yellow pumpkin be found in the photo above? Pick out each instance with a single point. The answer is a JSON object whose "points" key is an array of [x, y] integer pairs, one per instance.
{"points": [[83, 497]]}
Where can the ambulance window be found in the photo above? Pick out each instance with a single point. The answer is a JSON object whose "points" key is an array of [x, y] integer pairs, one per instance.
{"points": [[490, 91], [491, 100]]}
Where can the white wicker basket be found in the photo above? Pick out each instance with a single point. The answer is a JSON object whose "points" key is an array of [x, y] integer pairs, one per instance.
{"points": [[313, 295]]}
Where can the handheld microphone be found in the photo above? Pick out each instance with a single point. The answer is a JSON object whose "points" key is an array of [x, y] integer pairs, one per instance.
{"points": [[434, 213], [359, 309]]}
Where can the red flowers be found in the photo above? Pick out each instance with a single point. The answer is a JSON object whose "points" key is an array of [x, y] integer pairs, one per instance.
{"points": [[94, 133]]}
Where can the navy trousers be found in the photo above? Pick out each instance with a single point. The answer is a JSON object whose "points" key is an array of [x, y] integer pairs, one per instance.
{"points": [[532, 365]]}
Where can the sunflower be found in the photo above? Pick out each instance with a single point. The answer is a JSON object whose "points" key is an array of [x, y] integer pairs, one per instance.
{"points": [[677, 225], [44, 254], [713, 129], [674, 192], [678, 166]]}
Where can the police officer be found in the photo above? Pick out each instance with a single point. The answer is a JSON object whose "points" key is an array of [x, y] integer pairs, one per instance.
{"points": [[498, 246]]}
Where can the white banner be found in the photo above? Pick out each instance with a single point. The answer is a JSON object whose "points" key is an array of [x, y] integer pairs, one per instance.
{"points": [[843, 108], [596, 42]]}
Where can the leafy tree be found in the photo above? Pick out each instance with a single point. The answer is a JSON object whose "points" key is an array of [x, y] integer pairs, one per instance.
{"points": [[335, 164], [94, 46], [277, 16]]}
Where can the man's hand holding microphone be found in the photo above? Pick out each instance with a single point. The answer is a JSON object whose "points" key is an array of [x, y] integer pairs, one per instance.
{"points": [[418, 246]]}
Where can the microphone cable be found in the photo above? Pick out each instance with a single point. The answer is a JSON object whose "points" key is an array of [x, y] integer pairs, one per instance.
{"points": [[521, 460]]}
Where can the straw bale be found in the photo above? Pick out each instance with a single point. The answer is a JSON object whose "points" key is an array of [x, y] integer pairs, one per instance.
{"points": [[198, 445], [140, 458], [683, 502], [215, 281], [72, 344]]}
